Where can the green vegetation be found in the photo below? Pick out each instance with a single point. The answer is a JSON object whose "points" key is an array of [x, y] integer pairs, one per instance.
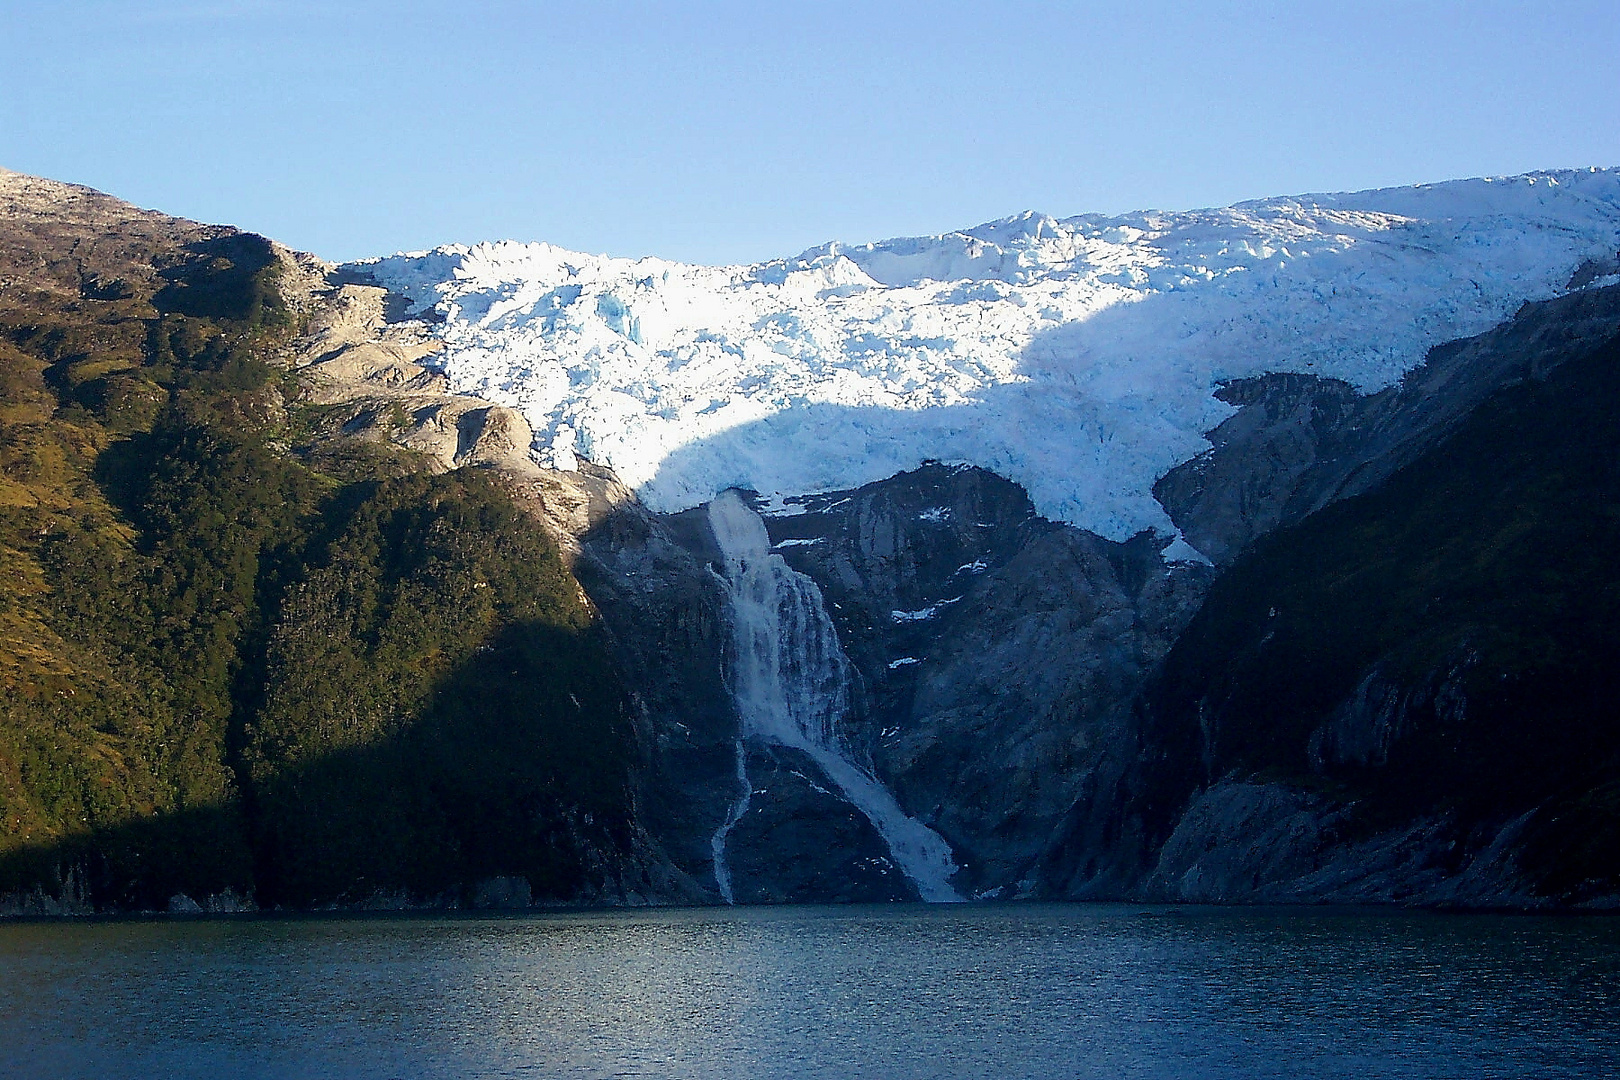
{"points": [[226, 666], [437, 707]]}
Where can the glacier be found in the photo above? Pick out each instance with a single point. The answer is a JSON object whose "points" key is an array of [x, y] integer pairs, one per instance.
{"points": [[1078, 357]]}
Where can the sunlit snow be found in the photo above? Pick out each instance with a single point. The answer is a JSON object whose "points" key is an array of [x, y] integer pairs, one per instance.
{"points": [[1077, 357]]}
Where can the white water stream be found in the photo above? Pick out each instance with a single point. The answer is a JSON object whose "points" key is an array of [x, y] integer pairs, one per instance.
{"points": [[790, 679]]}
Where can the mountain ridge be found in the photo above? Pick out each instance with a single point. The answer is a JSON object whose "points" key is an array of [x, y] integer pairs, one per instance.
{"points": [[260, 642], [852, 362], [233, 479]]}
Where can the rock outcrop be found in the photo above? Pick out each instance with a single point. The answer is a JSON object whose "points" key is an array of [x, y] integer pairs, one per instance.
{"points": [[1406, 696], [368, 375], [1299, 443], [999, 655]]}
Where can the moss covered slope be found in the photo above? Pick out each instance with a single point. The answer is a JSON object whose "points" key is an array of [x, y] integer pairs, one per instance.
{"points": [[225, 672]]}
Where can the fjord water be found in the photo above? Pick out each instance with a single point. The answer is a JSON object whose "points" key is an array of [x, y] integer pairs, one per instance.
{"points": [[1004, 991]]}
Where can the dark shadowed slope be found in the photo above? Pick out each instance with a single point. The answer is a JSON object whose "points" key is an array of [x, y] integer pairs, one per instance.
{"points": [[1411, 694], [236, 664]]}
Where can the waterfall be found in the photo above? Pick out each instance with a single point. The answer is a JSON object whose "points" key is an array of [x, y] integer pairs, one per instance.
{"points": [[790, 679], [717, 843]]}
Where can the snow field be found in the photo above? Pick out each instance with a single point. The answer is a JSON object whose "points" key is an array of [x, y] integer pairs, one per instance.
{"points": [[1077, 357]]}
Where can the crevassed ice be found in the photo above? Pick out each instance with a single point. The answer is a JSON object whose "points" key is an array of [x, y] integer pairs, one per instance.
{"points": [[1077, 357]]}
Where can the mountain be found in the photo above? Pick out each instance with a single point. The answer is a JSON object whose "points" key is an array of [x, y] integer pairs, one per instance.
{"points": [[1243, 555], [1407, 694], [1080, 358], [252, 653]]}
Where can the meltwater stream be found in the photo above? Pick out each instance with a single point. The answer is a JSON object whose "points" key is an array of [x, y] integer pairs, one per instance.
{"points": [[790, 679]]}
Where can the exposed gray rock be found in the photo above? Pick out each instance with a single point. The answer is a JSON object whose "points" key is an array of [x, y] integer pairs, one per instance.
{"points": [[502, 893], [69, 895], [1247, 842], [181, 904], [999, 654], [1299, 443], [665, 612], [1383, 709], [1246, 484], [229, 902], [1593, 269], [802, 842], [1478, 836], [368, 373]]}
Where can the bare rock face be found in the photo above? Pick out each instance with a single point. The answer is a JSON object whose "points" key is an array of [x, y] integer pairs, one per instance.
{"points": [[369, 373], [1404, 696], [1248, 840], [800, 841], [1246, 484], [1245, 843], [665, 614], [1299, 443], [999, 656]]}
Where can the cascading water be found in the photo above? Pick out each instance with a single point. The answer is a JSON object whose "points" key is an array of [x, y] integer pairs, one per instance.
{"points": [[790, 679], [717, 843]]}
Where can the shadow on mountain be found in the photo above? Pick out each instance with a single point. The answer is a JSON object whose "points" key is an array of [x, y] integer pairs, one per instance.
{"points": [[397, 307], [1066, 454], [509, 786], [1429, 643], [219, 278], [1440, 648], [1107, 404]]}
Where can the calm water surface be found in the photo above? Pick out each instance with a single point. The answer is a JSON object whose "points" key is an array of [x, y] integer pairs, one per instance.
{"points": [[1000, 992]]}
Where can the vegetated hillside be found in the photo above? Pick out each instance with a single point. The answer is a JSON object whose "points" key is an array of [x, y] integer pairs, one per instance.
{"points": [[246, 657], [237, 665], [1435, 663]]}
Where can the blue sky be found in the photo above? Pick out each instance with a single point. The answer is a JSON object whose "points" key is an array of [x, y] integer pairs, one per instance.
{"points": [[718, 132]]}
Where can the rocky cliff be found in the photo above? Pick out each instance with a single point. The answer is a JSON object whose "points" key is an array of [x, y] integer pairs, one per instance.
{"points": [[289, 622], [1075, 719], [1406, 695]]}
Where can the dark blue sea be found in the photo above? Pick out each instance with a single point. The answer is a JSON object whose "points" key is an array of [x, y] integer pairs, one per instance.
{"points": [[998, 992]]}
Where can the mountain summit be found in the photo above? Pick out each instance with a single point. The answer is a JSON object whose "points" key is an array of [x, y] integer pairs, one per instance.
{"points": [[1078, 357]]}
